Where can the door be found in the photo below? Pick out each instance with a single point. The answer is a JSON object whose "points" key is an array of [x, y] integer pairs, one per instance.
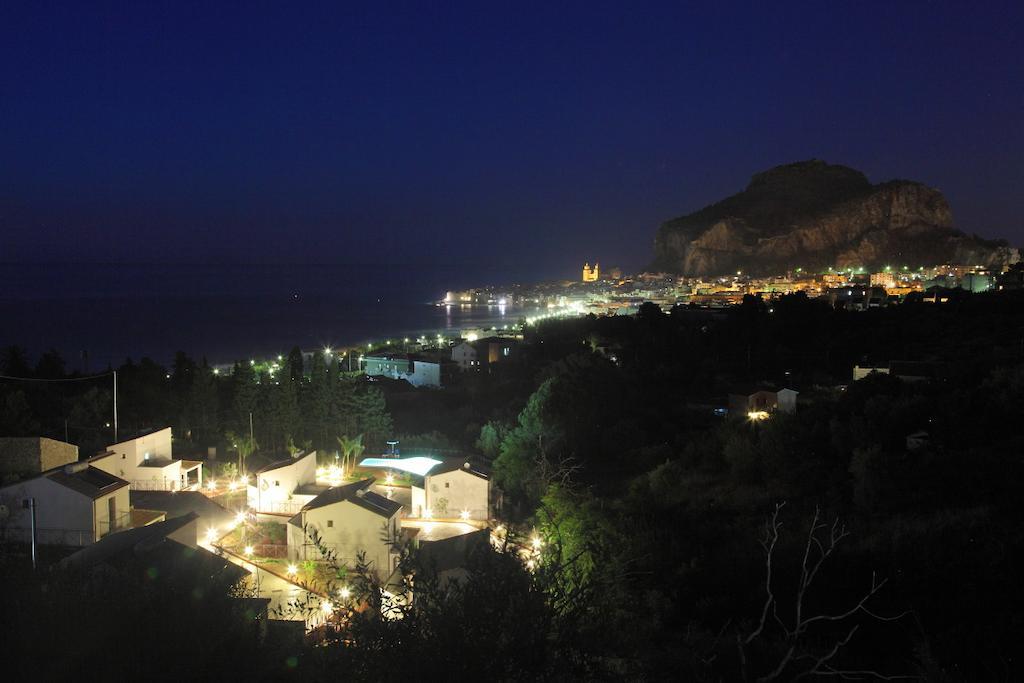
{"points": [[111, 514]]}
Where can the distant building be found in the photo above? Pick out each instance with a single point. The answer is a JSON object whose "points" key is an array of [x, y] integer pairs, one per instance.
{"points": [[591, 274], [75, 504], [761, 401], [417, 372], [147, 463], [31, 455], [885, 279], [481, 353]]}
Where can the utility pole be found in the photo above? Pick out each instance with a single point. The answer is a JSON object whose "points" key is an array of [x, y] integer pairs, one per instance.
{"points": [[251, 437], [30, 503], [115, 406]]}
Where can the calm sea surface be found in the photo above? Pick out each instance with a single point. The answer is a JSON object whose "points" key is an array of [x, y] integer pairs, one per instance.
{"points": [[226, 313]]}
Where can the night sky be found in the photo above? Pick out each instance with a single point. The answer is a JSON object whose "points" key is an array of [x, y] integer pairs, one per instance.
{"points": [[453, 133]]}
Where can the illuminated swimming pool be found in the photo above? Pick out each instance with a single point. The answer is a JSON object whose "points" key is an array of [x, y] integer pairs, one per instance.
{"points": [[419, 465]]}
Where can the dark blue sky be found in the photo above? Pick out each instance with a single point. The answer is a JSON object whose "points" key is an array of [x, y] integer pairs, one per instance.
{"points": [[508, 133]]}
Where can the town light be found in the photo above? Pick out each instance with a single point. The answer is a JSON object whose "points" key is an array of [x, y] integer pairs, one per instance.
{"points": [[211, 485], [232, 486], [216, 371], [240, 518], [327, 350], [757, 415], [464, 514], [211, 535], [292, 570], [327, 607], [248, 551], [344, 593], [536, 543], [389, 479]]}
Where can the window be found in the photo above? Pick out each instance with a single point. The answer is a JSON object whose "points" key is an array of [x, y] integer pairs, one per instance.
{"points": [[277, 483], [330, 523], [447, 485]]}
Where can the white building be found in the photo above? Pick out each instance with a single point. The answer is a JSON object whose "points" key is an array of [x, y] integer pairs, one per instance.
{"points": [[283, 487], [465, 356], [419, 373], [453, 490], [349, 519], [786, 400], [75, 505], [147, 464]]}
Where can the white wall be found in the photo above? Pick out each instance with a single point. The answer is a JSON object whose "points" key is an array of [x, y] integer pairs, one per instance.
{"points": [[275, 486], [419, 501], [425, 374], [449, 493], [63, 516], [464, 354], [786, 400], [157, 444], [354, 528], [101, 510], [860, 373]]}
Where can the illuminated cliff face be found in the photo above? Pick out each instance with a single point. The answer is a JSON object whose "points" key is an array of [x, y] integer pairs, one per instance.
{"points": [[591, 274], [814, 214]]}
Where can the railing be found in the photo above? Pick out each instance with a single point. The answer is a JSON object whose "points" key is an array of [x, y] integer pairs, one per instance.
{"points": [[45, 536], [287, 507], [121, 522], [155, 484]]}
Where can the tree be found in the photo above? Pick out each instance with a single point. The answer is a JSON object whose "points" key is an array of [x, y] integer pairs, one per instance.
{"points": [[351, 449], [244, 444]]}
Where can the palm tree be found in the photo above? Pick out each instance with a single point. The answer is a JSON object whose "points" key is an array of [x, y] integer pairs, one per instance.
{"points": [[351, 449], [246, 446]]}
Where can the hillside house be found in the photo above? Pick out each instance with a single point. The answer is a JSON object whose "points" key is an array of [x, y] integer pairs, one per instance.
{"points": [[147, 464]]}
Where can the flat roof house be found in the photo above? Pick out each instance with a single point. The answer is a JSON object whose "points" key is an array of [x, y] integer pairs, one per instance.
{"points": [[147, 464]]}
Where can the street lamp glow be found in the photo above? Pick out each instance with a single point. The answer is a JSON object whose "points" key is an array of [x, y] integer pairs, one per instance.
{"points": [[327, 350], [389, 479], [232, 486], [537, 543], [211, 485], [327, 607], [248, 551], [292, 570], [464, 514], [344, 593], [211, 535], [216, 371]]}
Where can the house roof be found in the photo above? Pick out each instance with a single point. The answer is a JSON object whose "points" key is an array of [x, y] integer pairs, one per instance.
{"points": [[150, 548], [85, 479], [138, 435], [751, 389], [460, 465], [452, 552], [180, 503], [284, 463], [358, 494], [125, 544]]}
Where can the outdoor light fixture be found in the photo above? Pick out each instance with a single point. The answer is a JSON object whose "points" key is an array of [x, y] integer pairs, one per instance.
{"points": [[344, 593], [464, 514], [211, 485], [536, 543], [292, 570], [248, 551], [327, 607]]}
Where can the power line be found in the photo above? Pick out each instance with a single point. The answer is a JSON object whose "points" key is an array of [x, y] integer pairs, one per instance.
{"points": [[66, 379]]}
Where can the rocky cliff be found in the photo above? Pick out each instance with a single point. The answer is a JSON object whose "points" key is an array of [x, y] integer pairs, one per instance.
{"points": [[812, 214]]}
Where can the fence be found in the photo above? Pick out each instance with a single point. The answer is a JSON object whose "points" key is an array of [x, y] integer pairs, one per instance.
{"points": [[67, 537]]}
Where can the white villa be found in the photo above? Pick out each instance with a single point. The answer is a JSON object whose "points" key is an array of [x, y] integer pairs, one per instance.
{"points": [[283, 487], [147, 464], [75, 505], [454, 489], [349, 519]]}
